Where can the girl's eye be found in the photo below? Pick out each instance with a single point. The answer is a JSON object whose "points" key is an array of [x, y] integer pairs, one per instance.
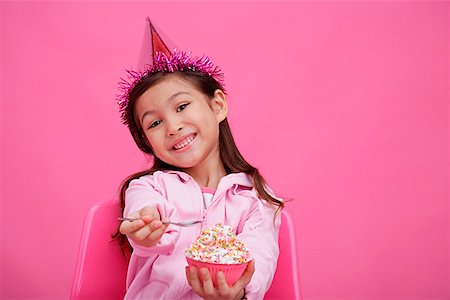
{"points": [[154, 124], [182, 107]]}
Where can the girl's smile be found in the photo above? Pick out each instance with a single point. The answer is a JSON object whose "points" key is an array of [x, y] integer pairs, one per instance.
{"points": [[184, 143]]}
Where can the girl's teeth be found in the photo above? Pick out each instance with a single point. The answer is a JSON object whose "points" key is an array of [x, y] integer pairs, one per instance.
{"points": [[184, 143]]}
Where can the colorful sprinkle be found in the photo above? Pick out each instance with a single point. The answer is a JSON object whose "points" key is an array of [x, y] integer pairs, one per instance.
{"points": [[218, 245]]}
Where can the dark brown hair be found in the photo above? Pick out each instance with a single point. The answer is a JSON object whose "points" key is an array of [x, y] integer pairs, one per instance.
{"points": [[232, 159]]}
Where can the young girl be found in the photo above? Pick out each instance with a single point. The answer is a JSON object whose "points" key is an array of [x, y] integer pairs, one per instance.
{"points": [[176, 111]]}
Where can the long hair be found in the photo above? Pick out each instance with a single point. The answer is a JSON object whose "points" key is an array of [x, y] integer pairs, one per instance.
{"points": [[232, 159]]}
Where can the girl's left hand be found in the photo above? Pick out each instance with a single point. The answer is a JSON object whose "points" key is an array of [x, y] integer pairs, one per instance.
{"points": [[205, 289]]}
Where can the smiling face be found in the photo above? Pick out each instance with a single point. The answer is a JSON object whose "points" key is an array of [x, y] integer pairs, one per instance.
{"points": [[181, 123]]}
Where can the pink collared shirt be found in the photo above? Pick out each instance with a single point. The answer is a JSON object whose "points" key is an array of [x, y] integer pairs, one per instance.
{"points": [[159, 272]]}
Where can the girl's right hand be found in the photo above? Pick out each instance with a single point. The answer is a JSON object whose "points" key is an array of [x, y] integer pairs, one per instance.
{"points": [[202, 283], [147, 230]]}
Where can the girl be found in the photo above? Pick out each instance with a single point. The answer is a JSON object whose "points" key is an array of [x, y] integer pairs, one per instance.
{"points": [[177, 112]]}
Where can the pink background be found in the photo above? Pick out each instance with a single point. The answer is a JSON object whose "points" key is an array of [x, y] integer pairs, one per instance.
{"points": [[342, 105]]}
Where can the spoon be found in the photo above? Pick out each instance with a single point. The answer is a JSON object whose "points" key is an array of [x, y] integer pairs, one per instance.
{"points": [[182, 224]]}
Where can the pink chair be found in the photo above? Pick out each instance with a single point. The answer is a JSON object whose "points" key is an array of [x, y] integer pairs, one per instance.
{"points": [[101, 267]]}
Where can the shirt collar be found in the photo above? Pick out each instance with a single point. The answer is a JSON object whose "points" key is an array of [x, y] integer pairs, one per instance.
{"points": [[183, 176], [225, 182]]}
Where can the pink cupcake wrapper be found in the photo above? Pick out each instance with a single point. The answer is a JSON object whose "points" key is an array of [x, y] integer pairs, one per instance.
{"points": [[232, 272]]}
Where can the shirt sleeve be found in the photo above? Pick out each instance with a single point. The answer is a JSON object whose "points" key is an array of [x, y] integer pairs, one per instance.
{"points": [[145, 192], [260, 235]]}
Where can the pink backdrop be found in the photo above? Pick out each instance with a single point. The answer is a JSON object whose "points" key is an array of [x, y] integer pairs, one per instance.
{"points": [[342, 105]]}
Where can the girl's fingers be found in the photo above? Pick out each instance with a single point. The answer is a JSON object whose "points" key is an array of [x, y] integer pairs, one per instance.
{"points": [[188, 276], [154, 225], [127, 227], [195, 281], [149, 213], [156, 234], [147, 218], [222, 284], [151, 233], [140, 234], [143, 216], [147, 229], [208, 285], [247, 275]]}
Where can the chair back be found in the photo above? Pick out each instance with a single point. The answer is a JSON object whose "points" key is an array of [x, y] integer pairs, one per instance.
{"points": [[101, 266], [286, 282]]}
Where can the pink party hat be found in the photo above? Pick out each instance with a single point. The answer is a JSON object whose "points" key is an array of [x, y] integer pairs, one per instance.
{"points": [[157, 57]]}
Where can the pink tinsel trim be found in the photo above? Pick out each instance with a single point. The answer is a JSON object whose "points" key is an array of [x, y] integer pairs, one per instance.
{"points": [[178, 61]]}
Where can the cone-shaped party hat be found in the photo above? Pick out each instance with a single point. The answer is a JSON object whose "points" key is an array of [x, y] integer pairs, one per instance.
{"points": [[156, 57], [157, 43], [154, 41]]}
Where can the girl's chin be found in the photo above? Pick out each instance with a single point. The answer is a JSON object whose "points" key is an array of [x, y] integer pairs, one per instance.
{"points": [[184, 164]]}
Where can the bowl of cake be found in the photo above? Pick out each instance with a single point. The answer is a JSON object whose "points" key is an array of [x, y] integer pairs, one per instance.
{"points": [[218, 249]]}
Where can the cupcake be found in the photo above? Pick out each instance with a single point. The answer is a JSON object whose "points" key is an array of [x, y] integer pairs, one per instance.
{"points": [[218, 249]]}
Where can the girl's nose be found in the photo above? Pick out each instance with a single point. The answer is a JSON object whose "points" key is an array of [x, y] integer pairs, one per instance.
{"points": [[173, 128], [174, 132]]}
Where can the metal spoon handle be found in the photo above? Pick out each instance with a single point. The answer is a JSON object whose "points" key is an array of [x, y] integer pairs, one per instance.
{"points": [[181, 224]]}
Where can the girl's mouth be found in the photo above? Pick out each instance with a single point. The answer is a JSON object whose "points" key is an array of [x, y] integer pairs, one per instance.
{"points": [[187, 141]]}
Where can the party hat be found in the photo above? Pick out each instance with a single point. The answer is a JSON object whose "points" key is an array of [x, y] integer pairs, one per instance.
{"points": [[156, 57], [154, 41]]}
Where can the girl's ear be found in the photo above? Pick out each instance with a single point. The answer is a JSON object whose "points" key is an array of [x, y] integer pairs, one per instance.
{"points": [[219, 105]]}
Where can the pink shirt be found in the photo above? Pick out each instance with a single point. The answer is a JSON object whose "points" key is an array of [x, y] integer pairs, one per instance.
{"points": [[159, 272]]}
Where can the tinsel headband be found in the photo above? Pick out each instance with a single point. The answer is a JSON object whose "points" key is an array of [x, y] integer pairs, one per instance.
{"points": [[163, 61]]}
